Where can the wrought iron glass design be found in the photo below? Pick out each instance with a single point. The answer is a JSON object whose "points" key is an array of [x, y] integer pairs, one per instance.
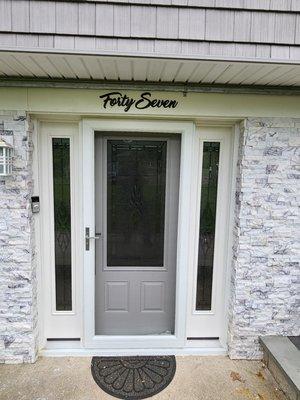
{"points": [[209, 186], [136, 184], [62, 223]]}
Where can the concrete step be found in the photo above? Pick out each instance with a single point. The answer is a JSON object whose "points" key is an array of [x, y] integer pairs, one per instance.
{"points": [[282, 358]]}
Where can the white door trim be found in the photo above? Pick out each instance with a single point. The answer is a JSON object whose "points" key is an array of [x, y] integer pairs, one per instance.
{"points": [[209, 323], [185, 242], [58, 324]]}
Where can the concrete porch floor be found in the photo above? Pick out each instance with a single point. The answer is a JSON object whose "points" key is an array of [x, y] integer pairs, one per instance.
{"points": [[196, 378]]}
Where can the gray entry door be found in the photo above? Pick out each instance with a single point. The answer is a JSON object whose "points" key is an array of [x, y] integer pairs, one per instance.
{"points": [[137, 181]]}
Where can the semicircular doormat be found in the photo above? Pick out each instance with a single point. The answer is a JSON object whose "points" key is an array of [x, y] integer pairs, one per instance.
{"points": [[133, 378]]}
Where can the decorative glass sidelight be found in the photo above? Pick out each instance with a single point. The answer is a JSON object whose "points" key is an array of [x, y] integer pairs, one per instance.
{"points": [[209, 187], [136, 185], [62, 223]]}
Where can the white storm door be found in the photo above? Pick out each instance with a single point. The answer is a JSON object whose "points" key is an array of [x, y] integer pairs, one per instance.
{"points": [[207, 277]]}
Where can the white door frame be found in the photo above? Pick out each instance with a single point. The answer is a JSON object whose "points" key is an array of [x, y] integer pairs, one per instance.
{"points": [[185, 242]]}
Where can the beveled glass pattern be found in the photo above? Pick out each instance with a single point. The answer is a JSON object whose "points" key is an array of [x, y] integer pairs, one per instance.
{"points": [[62, 223], [136, 184], [209, 186]]}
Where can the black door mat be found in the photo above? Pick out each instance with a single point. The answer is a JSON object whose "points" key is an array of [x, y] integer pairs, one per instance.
{"points": [[133, 378]]}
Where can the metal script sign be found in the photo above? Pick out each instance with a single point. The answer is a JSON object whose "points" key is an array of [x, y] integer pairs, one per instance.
{"points": [[145, 100]]}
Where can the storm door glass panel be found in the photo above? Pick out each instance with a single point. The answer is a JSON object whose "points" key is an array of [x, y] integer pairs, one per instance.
{"points": [[136, 184], [209, 186], [62, 222]]}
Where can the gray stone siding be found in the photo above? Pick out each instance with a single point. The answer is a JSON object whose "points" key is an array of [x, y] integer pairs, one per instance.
{"points": [[265, 277], [264, 297], [18, 286]]}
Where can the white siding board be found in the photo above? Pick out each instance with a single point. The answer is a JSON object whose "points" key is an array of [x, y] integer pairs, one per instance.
{"points": [[143, 21], [295, 6], [46, 41], [20, 16], [280, 52], [166, 47], [87, 19], [127, 45], [104, 19], [297, 32], [66, 18], [5, 15], [84, 43], [229, 3], [42, 16], [201, 3], [146, 46], [280, 5], [219, 25], [64, 42], [257, 4], [245, 50], [179, 2], [27, 41], [263, 51], [121, 20], [263, 27], [8, 40], [191, 24], [242, 26], [285, 26], [167, 22], [295, 53], [194, 48], [222, 49], [106, 44]]}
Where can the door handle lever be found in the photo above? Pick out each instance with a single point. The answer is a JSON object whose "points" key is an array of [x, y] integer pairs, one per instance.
{"points": [[88, 238]]}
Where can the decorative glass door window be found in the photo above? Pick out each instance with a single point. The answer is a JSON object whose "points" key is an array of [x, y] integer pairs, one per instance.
{"points": [[209, 187], [62, 223], [136, 179]]}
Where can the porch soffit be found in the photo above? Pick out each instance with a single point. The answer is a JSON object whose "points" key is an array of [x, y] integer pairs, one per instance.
{"points": [[55, 67]]}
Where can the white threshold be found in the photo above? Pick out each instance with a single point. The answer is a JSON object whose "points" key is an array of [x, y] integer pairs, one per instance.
{"points": [[75, 349]]}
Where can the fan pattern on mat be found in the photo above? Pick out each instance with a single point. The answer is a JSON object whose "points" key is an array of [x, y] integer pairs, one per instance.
{"points": [[133, 377]]}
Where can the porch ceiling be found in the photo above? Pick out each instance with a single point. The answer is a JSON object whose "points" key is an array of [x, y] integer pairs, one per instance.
{"points": [[112, 68]]}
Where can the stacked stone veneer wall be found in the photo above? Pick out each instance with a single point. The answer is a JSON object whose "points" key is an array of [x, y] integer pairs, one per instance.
{"points": [[265, 272], [18, 305]]}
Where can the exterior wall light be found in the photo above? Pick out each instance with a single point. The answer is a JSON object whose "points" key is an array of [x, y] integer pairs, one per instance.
{"points": [[6, 158]]}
